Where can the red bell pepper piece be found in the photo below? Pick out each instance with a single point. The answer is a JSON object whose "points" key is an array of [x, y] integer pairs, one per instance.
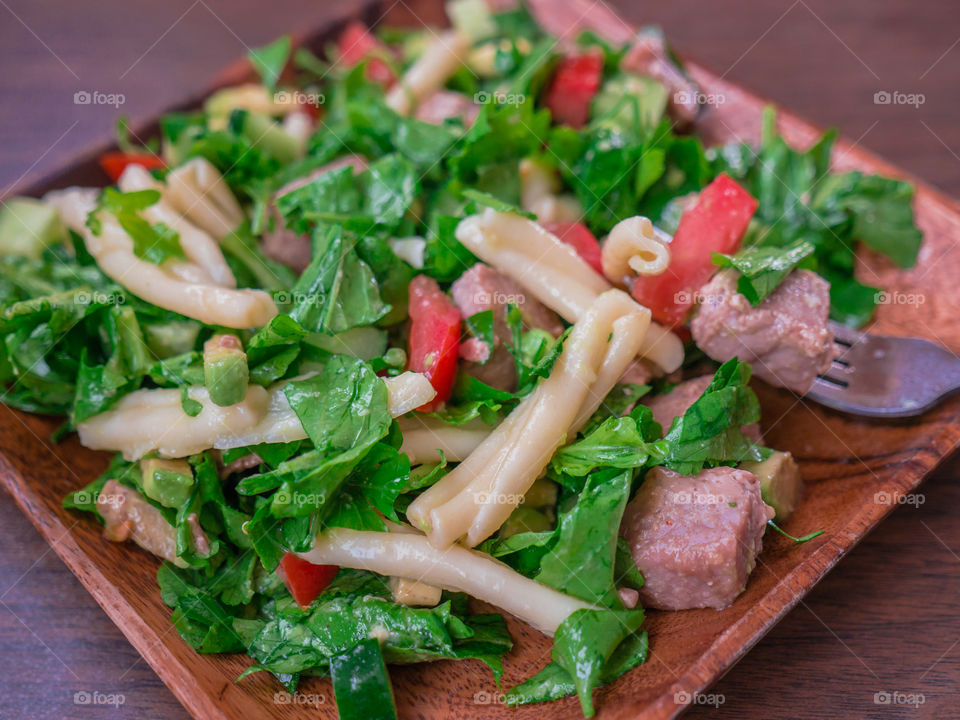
{"points": [[574, 84], [304, 580], [114, 163], [716, 224], [357, 44], [577, 236], [434, 338]]}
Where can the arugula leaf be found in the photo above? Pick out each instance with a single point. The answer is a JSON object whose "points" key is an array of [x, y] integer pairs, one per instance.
{"points": [[618, 442], [763, 267], [274, 348], [270, 60], [584, 643], [360, 683], [708, 433], [155, 243], [553, 682], [337, 291], [581, 562]]}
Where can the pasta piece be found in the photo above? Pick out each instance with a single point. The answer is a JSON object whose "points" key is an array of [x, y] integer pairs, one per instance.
{"points": [[430, 71], [539, 194], [408, 391], [428, 440], [202, 249], [175, 286], [475, 498], [553, 272], [455, 568], [198, 191], [633, 248], [148, 421]]}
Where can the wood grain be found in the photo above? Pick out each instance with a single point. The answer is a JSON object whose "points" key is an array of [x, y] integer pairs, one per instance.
{"points": [[846, 462]]}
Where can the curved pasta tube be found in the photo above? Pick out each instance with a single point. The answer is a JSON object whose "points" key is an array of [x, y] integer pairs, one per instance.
{"points": [[454, 568], [175, 287], [475, 498], [430, 71], [149, 421], [424, 439], [198, 246], [553, 272], [633, 248], [197, 190]]}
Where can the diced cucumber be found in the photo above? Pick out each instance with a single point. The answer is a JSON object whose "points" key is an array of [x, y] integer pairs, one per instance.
{"points": [[225, 371], [630, 103], [780, 482], [27, 226], [168, 482], [266, 134]]}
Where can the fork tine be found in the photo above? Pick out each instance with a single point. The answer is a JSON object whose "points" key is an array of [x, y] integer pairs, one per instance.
{"points": [[846, 335]]}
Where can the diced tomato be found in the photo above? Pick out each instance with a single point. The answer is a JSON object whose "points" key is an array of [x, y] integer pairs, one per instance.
{"points": [[114, 163], [304, 580], [716, 224], [577, 236], [357, 44], [434, 338], [574, 84]]}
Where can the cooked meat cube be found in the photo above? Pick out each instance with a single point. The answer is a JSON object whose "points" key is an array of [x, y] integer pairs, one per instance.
{"points": [[785, 338], [482, 288], [128, 516], [667, 406], [443, 104], [286, 246], [695, 538], [648, 55]]}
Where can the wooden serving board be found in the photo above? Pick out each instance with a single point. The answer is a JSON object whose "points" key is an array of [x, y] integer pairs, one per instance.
{"points": [[851, 468]]}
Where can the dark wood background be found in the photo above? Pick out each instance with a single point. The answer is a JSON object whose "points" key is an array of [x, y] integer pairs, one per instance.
{"points": [[884, 621]]}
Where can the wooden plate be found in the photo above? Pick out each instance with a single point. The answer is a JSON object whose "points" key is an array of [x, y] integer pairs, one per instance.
{"points": [[852, 470]]}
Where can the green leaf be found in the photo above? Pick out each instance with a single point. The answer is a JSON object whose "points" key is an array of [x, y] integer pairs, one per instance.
{"points": [[581, 562], [763, 267], [155, 243], [270, 60], [360, 683]]}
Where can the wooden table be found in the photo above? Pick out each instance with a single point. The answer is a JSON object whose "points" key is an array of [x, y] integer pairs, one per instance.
{"points": [[884, 621]]}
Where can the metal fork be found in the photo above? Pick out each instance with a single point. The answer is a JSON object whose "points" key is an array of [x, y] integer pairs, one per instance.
{"points": [[886, 377]]}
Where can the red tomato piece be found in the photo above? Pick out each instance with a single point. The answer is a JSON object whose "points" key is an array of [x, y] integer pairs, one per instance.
{"points": [[434, 343], [577, 236], [716, 224], [574, 84], [357, 44], [304, 580], [114, 163]]}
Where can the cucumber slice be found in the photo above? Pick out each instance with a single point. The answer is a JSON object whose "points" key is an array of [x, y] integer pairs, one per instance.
{"points": [[27, 226]]}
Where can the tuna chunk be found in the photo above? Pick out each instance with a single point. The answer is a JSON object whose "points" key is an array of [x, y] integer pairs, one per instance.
{"points": [[286, 246], [695, 538], [667, 406], [483, 288], [785, 338], [444, 104]]}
